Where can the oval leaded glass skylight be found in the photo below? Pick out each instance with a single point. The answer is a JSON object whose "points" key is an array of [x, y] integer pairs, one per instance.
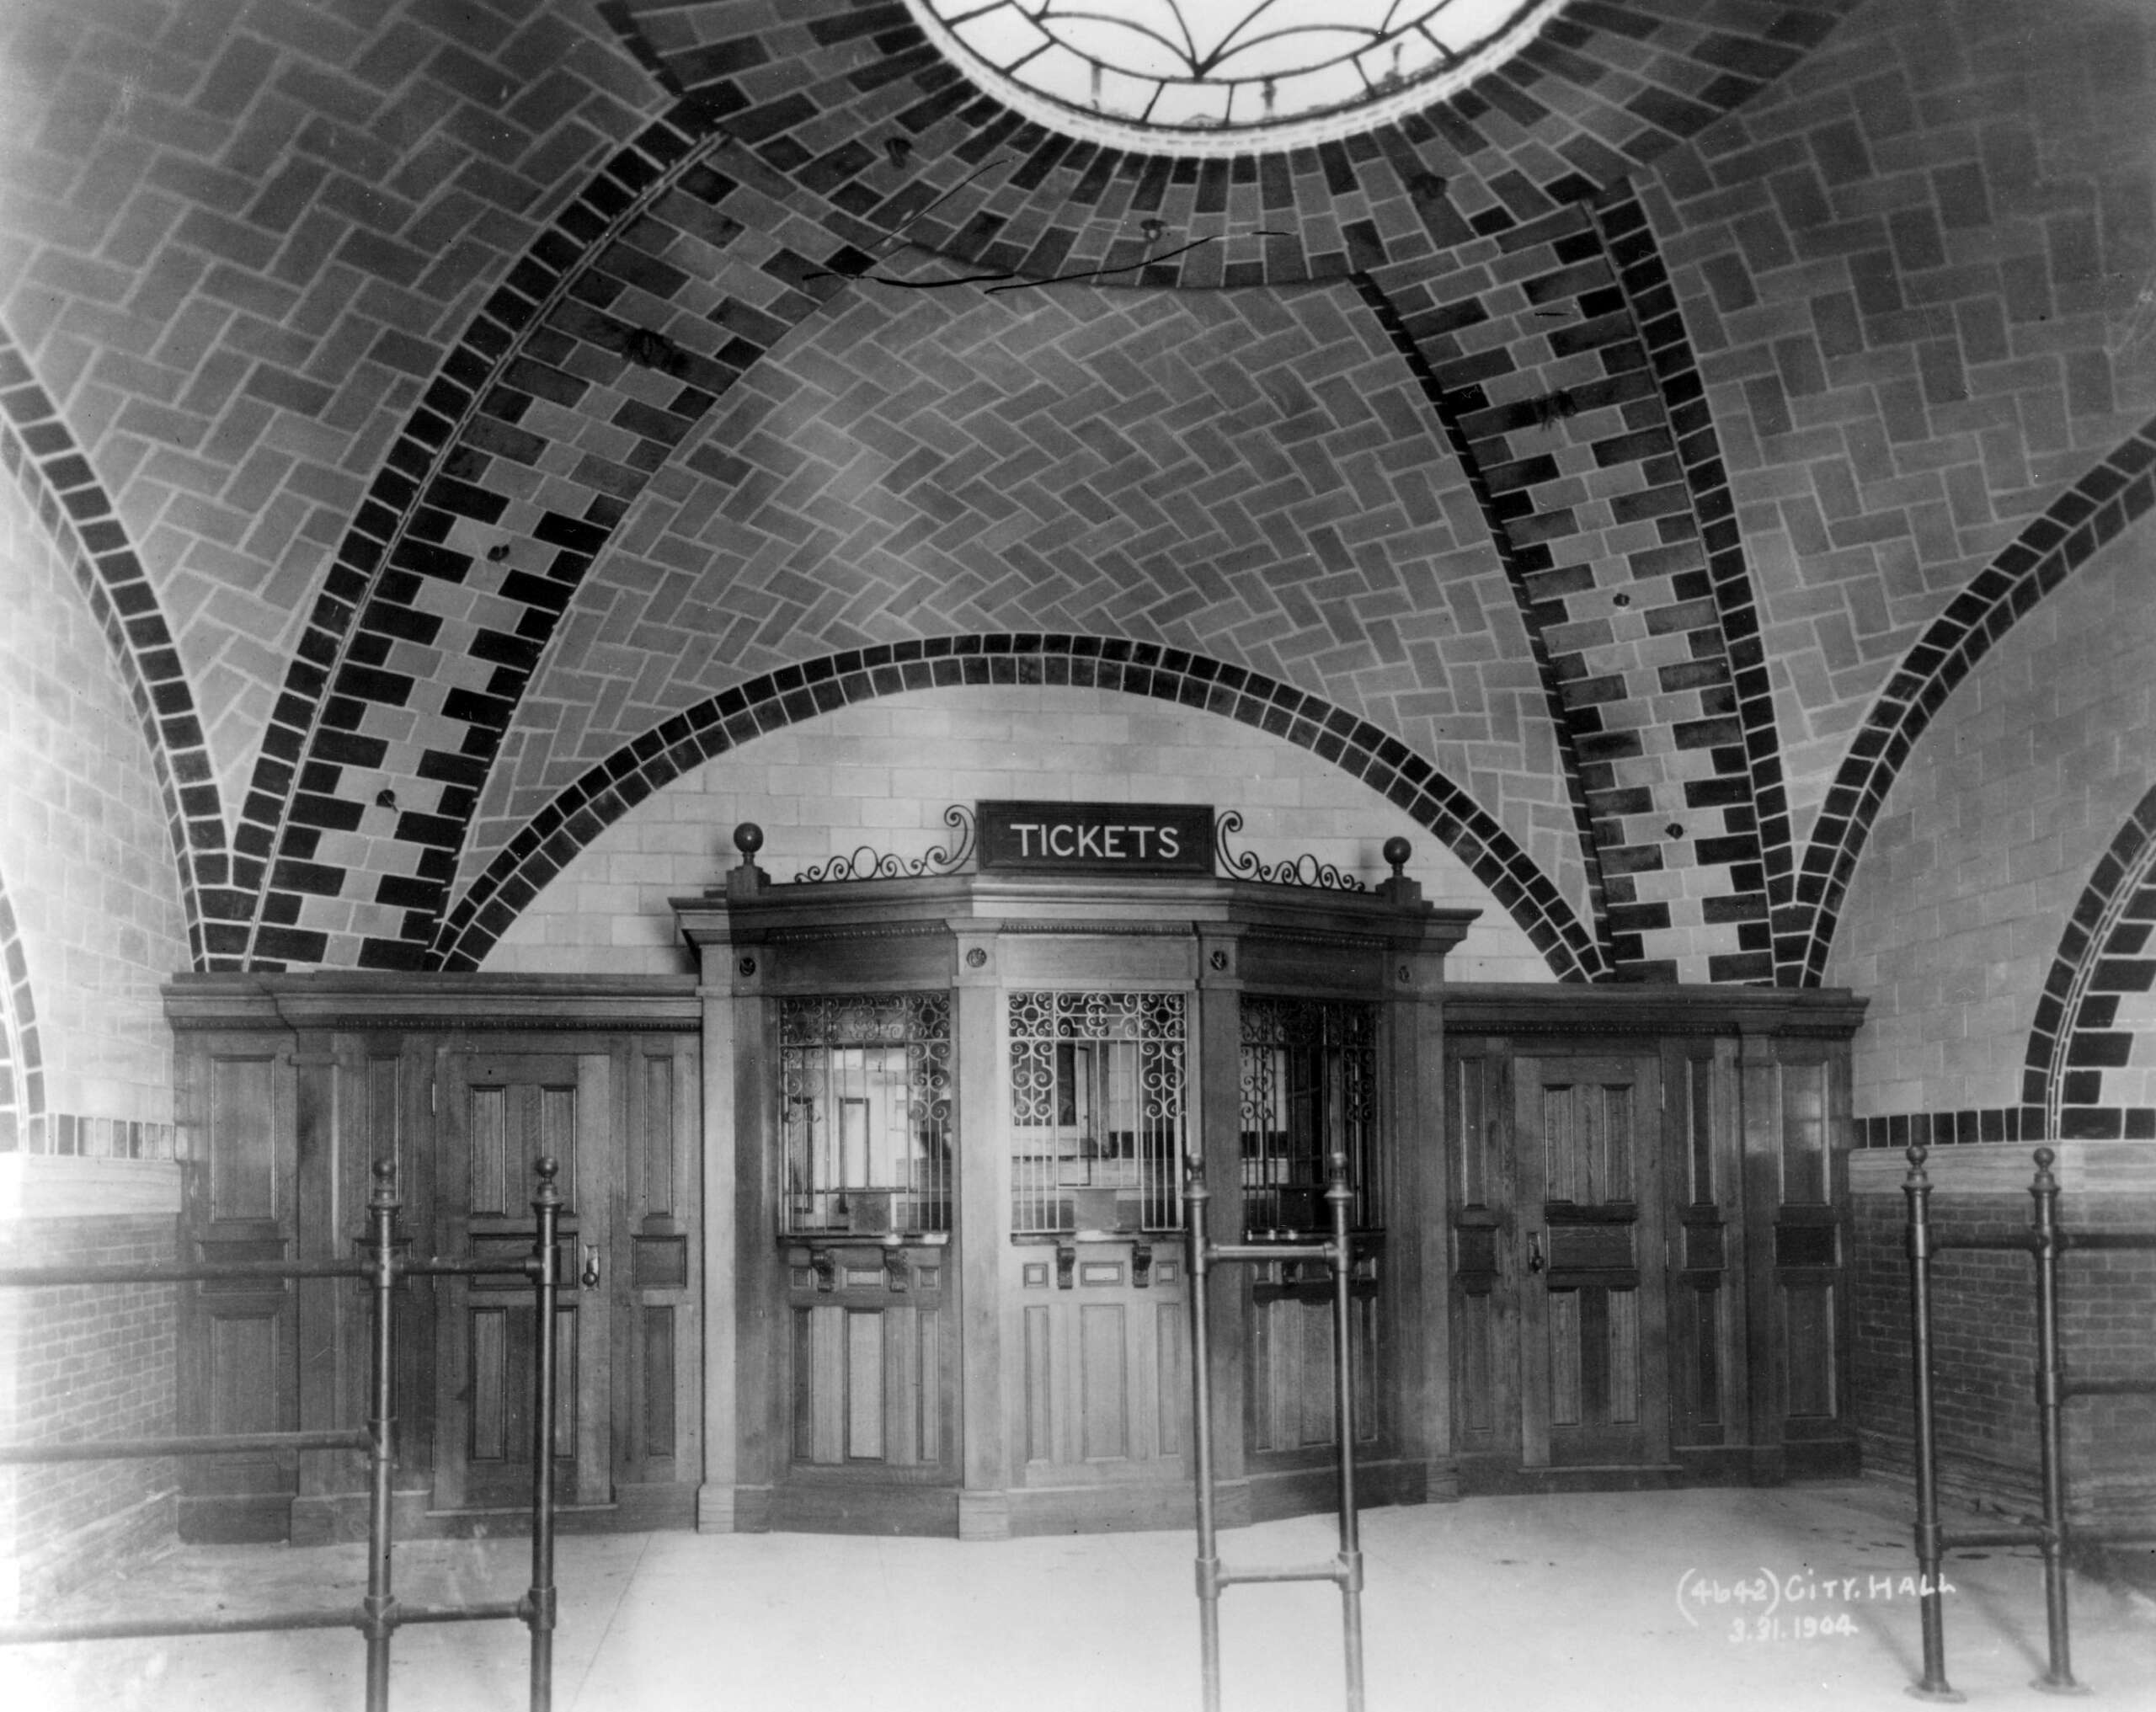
{"points": [[1225, 77]]}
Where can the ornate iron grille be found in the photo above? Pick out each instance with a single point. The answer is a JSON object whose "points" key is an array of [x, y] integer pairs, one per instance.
{"points": [[1309, 1088], [1096, 1111], [865, 1093]]}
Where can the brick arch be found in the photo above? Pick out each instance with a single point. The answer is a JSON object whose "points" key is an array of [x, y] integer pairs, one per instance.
{"points": [[605, 792], [22, 1061], [2120, 488], [42, 454], [2076, 1037]]}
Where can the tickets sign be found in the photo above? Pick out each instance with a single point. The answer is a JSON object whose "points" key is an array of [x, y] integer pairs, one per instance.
{"points": [[1095, 838]]}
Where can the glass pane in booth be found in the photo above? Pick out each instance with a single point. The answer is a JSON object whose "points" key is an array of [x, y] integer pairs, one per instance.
{"points": [[1309, 1090], [865, 1086], [1096, 1111]]}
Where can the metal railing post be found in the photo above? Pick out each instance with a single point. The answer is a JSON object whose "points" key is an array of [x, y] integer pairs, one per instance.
{"points": [[1346, 1569], [545, 1260], [379, 1607], [1198, 1263], [1341, 1197], [2058, 1674], [1930, 1548]]}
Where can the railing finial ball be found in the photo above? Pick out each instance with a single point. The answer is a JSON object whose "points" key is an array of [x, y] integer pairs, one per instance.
{"points": [[2045, 1159]]}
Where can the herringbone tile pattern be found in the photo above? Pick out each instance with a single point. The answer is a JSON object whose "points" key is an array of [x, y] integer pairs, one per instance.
{"points": [[239, 240], [1249, 477]]}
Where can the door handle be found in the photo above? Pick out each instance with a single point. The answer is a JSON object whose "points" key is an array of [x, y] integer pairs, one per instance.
{"points": [[1534, 1251], [589, 1274]]}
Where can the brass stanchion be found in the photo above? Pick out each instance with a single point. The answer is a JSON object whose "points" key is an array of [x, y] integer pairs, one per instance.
{"points": [[379, 1607], [1930, 1548], [545, 1269], [1346, 1570]]}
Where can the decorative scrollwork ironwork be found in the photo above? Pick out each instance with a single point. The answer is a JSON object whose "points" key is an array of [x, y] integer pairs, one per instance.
{"points": [[864, 863], [1305, 869]]}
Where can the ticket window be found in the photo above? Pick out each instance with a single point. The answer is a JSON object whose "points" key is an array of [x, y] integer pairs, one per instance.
{"points": [[1309, 1074], [1096, 1111], [865, 1081]]}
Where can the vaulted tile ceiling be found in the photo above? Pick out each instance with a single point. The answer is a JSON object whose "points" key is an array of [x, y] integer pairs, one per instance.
{"points": [[464, 417]]}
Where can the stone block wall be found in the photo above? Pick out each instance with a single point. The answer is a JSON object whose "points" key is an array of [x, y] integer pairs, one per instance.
{"points": [[879, 776]]}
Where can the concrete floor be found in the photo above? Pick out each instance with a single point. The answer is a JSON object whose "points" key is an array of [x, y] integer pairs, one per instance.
{"points": [[1514, 1604]]}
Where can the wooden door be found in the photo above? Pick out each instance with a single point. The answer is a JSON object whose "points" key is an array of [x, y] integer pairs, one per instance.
{"points": [[498, 1113], [238, 1367], [1594, 1370]]}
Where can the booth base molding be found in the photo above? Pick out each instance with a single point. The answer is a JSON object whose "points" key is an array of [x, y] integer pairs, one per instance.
{"points": [[1275, 1495], [1481, 1477], [814, 1506], [341, 1518], [1111, 1508]]}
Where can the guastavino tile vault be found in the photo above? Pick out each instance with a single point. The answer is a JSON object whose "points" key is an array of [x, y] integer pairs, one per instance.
{"points": [[1678, 472]]}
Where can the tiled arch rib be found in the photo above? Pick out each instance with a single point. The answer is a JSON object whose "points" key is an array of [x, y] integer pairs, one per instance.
{"points": [[2101, 964], [2120, 488], [607, 791], [1557, 360], [22, 1060], [550, 417], [40, 452]]}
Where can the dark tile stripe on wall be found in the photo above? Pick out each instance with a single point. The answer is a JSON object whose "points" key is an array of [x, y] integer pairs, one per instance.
{"points": [[40, 452], [1981, 1123], [2075, 1039], [609, 790], [2120, 488]]}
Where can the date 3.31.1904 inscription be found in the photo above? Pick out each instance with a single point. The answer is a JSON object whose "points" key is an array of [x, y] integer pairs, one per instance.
{"points": [[1802, 1605]]}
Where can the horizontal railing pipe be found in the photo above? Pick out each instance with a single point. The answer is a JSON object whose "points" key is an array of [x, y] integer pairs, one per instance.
{"points": [[180, 1272], [91, 1450]]}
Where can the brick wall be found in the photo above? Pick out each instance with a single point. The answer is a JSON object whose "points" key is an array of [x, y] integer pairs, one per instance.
{"points": [[1983, 1319], [1983, 848], [881, 774], [84, 1363]]}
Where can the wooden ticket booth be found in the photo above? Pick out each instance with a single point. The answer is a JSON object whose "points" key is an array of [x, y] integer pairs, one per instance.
{"points": [[878, 1218], [952, 1112]]}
